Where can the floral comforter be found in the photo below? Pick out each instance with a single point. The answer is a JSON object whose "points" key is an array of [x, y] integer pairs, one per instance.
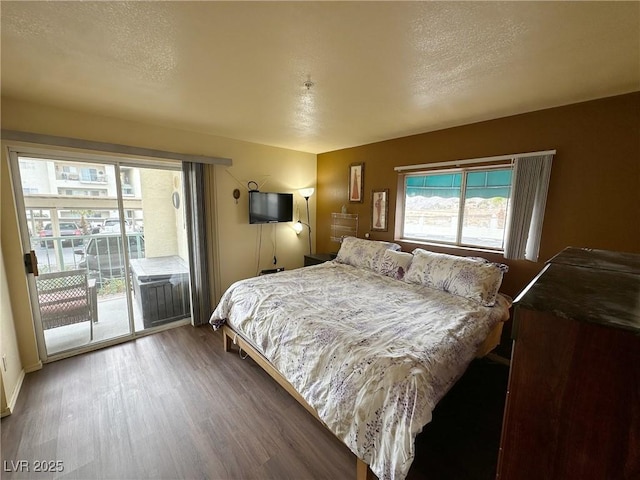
{"points": [[373, 355]]}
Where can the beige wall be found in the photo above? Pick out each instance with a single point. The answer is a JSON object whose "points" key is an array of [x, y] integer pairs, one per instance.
{"points": [[277, 169], [594, 192], [15, 320], [12, 376]]}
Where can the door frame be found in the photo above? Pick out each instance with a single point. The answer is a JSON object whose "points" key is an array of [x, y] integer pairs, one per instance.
{"points": [[15, 152]]}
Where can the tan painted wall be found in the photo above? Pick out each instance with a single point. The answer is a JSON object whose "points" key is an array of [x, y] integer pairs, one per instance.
{"points": [[11, 377], [279, 169], [594, 192], [4, 408], [16, 279], [276, 170]]}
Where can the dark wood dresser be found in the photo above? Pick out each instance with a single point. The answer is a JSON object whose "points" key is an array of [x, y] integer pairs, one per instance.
{"points": [[573, 401]]}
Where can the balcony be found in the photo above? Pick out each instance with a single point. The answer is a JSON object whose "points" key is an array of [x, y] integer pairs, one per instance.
{"points": [[113, 322], [153, 302], [67, 176]]}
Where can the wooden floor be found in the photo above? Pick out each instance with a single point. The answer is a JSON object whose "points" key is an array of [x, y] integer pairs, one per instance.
{"points": [[173, 405]]}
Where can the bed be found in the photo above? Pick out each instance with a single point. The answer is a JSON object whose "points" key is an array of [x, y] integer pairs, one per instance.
{"points": [[370, 342]]}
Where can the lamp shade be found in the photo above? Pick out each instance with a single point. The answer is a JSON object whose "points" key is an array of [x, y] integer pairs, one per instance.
{"points": [[306, 192], [297, 227]]}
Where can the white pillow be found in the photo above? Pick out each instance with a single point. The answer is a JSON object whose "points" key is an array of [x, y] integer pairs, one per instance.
{"points": [[395, 264], [473, 278], [363, 253]]}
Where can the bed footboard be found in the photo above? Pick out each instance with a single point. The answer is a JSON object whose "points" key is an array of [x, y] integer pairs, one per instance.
{"points": [[491, 342], [363, 472], [229, 336]]}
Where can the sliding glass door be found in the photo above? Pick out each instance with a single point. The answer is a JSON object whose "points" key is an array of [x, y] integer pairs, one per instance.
{"points": [[160, 277], [110, 242]]}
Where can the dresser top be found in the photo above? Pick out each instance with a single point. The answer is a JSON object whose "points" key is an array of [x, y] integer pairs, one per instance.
{"points": [[595, 286], [600, 259]]}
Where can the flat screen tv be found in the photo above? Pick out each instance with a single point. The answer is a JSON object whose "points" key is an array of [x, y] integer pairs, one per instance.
{"points": [[267, 207]]}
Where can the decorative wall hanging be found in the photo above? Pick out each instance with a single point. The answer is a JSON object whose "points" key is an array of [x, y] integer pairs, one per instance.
{"points": [[380, 209], [356, 182]]}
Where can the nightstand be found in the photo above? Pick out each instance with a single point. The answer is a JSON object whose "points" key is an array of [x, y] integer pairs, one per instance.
{"points": [[317, 258]]}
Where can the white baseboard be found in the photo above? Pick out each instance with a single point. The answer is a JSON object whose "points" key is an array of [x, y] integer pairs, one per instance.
{"points": [[33, 368], [11, 404]]}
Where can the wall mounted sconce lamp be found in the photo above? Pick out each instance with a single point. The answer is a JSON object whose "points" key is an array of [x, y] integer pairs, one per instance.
{"points": [[306, 193], [297, 227]]}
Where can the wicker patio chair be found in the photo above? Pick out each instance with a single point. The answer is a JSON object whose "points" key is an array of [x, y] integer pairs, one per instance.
{"points": [[66, 298]]}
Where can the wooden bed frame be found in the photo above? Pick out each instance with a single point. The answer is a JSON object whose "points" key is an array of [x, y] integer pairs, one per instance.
{"points": [[363, 472]]}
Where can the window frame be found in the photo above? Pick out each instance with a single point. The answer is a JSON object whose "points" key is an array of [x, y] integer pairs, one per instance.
{"points": [[464, 171]]}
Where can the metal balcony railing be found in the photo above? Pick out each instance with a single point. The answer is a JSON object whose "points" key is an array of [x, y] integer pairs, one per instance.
{"points": [[101, 255]]}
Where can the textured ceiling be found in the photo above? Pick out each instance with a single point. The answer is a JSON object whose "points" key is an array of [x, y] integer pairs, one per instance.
{"points": [[379, 70]]}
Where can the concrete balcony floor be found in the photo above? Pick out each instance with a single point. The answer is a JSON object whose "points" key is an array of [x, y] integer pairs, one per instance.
{"points": [[113, 322]]}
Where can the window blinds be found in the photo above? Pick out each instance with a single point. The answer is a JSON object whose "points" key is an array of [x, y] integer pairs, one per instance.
{"points": [[531, 176]]}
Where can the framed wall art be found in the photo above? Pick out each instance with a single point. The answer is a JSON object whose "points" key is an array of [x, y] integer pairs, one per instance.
{"points": [[356, 182], [380, 210]]}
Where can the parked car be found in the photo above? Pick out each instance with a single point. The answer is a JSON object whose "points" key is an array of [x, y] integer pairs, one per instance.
{"points": [[95, 227], [113, 225], [103, 255], [67, 229]]}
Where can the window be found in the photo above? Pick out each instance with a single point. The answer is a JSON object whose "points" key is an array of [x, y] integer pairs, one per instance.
{"points": [[491, 203], [462, 207], [89, 174]]}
